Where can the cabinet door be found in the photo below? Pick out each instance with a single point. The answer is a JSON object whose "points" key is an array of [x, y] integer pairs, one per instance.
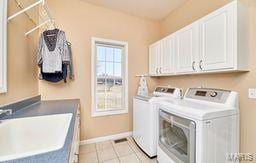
{"points": [[217, 39], [187, 48], [3, 46], [154, 52], [167, 56]]}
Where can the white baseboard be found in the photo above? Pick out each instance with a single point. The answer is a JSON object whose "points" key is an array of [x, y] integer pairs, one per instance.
{"points": [[106, 138]]}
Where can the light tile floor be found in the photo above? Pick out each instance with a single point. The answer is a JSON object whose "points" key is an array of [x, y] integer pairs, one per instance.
{"points": [[109, 152]]}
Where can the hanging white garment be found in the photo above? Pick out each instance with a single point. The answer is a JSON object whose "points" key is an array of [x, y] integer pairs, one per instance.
{"points": [[53, 51], [143, 88]]}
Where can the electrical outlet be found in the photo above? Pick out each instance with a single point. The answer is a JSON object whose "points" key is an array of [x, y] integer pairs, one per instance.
{"points": [[252, 93]]}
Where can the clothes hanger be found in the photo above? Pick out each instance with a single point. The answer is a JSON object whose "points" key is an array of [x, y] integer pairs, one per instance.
{"points": [[52, 27], [69, 43]]}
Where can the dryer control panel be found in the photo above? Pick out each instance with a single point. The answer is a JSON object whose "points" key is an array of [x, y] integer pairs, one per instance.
{"points": [[208, 94]]}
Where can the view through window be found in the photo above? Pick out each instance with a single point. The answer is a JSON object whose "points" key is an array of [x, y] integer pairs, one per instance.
{"points": [[110, 77]]}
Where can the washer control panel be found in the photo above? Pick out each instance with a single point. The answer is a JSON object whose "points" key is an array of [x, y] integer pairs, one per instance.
{"points": [[167, 91], [164, 90], [208, 94]]}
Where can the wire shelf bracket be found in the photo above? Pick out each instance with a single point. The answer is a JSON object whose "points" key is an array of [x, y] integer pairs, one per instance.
{"points": [[37, 27], [24, 11]]}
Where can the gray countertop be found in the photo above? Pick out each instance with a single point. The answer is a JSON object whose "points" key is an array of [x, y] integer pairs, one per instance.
{"points": [[49, 108]]}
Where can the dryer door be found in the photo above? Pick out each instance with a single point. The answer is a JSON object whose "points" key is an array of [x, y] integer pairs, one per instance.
{"points": [[177, 137]]}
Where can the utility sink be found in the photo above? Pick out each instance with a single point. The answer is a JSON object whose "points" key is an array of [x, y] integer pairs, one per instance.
{"points": [[25, 137]]}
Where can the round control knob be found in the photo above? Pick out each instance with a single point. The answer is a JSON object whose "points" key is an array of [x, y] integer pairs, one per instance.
{"points": [[214, 94]]}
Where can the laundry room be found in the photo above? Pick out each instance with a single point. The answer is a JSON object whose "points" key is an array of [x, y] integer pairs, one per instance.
{"points": [[109, 81]]}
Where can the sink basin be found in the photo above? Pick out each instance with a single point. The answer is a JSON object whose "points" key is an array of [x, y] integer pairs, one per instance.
{"points": [[24, 137]]}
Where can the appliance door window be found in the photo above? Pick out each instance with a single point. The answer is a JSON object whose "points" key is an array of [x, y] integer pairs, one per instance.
{"points": [[177, 137]]}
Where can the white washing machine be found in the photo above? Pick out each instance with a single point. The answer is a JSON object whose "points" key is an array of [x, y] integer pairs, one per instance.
{"points": [[201, 128], [145, 117]]}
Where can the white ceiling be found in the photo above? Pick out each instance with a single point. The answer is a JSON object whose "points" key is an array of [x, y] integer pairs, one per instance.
{"points": [[151, 9]]}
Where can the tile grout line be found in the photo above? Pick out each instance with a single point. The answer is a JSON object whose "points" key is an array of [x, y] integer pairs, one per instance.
{"points": [[97, 152], [133, 152], [129, 142], [136, 153], [90, 152], [133, 149], [130, 146], [113, 150], [112, 144]]}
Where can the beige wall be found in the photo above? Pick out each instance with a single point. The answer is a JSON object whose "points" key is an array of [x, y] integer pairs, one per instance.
{"points": [[240, 82], [81, 21], [188, 13], [22, 69]]}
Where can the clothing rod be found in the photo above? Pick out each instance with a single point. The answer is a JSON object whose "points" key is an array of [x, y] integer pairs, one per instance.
{"points": [[21, 7], [37, 27], [25, 9], [145, 75]]}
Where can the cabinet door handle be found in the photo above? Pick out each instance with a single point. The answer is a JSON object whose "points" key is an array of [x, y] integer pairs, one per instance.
{"points": [[160, 70], [156, 70], [193, 65], [77, 161], [200, 64]]}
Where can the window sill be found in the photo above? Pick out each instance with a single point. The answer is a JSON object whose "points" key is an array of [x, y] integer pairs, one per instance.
{"points": [[109, 113]]}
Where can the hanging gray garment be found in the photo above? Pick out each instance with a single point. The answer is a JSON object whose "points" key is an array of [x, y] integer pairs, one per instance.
{"points": [[71, 68], [53, 51]]}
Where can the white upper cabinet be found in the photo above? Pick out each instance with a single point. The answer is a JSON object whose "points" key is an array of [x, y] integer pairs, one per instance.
{"points": [[154, 52], [167, 56], [161, 57], [187, 48], [218, 42], [3, 46]]}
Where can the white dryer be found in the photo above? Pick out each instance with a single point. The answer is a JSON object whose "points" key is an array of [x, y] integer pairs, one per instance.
{"points": [[201, 128], [145, 117]]}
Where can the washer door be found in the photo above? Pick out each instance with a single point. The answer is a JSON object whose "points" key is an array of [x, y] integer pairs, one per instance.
{"points": [[144, 126], [177, 137]]}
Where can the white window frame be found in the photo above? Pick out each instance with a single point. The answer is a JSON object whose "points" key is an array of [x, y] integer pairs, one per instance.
{"points": [[94, 112], [3, 46]]}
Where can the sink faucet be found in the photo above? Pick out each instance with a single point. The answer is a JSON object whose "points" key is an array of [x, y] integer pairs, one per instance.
{"points": [[7, 112]]}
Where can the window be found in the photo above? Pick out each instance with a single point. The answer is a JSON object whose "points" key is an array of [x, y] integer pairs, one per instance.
{"points": [[109, 77], [3, 43]]}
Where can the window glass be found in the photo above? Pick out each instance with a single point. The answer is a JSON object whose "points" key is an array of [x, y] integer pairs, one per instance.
{"points": [[110, 87], [109, 54], [118, 55], [101, 54]]}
